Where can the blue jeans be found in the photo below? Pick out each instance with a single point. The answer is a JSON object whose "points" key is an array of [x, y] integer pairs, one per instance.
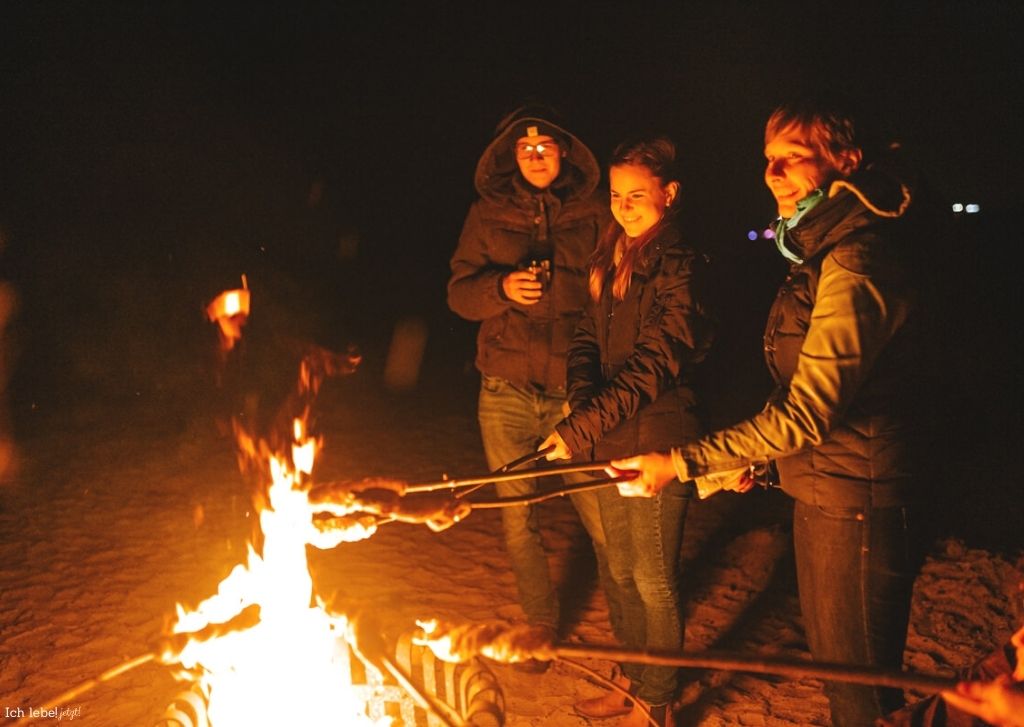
{"points": [[643, 538], [855, 570], [513, 423]]}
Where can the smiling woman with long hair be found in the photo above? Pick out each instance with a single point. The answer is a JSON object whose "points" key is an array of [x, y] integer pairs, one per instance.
{"points": [[631, 385], [851, 341]]}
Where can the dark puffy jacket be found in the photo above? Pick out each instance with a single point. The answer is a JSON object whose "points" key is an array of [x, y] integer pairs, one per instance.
{"points": [[843, 341], [511, 224], [632, 362], [869, 457]]}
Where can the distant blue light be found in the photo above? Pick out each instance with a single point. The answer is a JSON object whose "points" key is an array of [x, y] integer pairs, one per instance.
{"points": [[972, 209], [752, 235]]}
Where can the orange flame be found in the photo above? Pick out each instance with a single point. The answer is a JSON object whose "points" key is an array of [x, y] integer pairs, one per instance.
{"points": [[292, 667], [260, 652]]}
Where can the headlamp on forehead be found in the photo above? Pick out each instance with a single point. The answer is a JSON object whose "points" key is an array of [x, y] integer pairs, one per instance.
{"points": [[545, 150]]}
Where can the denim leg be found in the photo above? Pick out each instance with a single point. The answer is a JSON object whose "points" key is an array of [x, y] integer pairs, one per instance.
{"points": [[510, 428], [551, 412], [643, 538], [588, 505], [629, 627], [656, 525], [855, 570]]}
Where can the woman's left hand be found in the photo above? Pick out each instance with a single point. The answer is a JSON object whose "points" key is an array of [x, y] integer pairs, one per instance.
{"points": [[560, 451]]}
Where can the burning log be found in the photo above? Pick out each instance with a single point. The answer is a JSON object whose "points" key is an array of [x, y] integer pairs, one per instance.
{"points": [[170, 647]]}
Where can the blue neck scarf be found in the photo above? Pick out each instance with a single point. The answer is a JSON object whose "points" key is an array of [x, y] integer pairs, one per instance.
{"points": [[802, 207]]}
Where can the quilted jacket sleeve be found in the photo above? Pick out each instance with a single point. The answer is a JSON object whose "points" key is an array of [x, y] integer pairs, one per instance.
{"points": [[583, 374], [853, 318], [674, 332], [474, 288]]}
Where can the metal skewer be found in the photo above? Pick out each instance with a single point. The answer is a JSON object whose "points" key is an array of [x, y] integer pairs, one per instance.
{"points": [[514, 464], [559, 469], [535, 497]]}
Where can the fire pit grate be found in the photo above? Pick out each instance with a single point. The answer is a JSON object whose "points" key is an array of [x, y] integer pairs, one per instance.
{"points": [[470, 689]]}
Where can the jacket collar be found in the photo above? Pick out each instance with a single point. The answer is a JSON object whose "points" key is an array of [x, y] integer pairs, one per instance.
{"points": [[668, 236], [874, 193]]}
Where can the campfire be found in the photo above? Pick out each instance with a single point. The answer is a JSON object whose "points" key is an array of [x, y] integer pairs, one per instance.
{"points": [[265, 649], [265, 640]]}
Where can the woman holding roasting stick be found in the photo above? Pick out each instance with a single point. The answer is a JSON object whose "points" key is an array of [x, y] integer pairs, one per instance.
{"points": [[851, 344], [630, 385]]}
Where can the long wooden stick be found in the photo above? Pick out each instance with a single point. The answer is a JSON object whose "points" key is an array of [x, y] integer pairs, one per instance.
{"points": [[535, 497], [558, 469], [86, 686], [795, 668]]}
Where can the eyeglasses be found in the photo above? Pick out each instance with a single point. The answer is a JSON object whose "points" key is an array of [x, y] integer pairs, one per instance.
{"points": [[545, 150]]}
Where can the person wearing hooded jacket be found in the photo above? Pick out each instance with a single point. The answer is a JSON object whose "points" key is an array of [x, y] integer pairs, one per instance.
{"points": [[632, 385], [844, 342], [520, 270]]}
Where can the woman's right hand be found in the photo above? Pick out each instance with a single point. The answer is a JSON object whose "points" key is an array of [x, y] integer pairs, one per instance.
{"points": [[654, 470], [522, 286]]}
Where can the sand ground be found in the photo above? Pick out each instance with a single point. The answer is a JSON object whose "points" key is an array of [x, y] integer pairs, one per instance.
{"points": [[115, 518]]}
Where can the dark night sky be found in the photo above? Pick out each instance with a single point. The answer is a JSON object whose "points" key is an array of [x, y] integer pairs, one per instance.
{"points": [[166, 146]]}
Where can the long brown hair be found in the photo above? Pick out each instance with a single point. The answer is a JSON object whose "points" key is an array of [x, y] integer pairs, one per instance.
{"points": [[658, 156]]}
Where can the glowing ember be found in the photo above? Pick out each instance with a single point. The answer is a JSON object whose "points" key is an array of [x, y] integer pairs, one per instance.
{"points": [[230, 311], [232, 303]]}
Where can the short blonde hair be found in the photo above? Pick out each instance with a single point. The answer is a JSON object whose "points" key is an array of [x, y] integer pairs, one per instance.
{"points": [[832, 132]]}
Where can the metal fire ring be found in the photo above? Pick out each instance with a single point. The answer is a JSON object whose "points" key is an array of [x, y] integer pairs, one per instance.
{"points": [[470, 689]]}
